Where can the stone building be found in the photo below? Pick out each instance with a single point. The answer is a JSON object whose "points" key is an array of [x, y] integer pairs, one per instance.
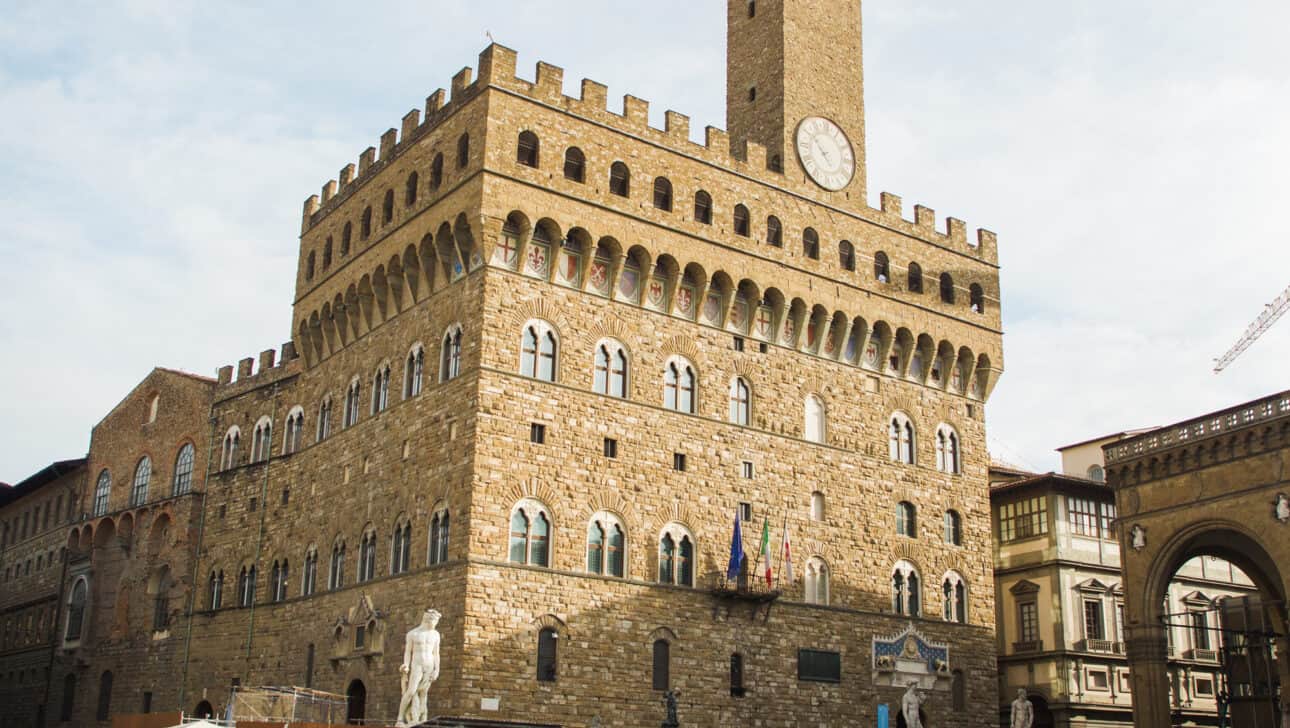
{"points": [[543, 355], [1059, 596]]}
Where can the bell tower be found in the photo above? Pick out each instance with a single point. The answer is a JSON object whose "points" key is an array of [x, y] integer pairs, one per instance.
{"points": [[791, 60]]}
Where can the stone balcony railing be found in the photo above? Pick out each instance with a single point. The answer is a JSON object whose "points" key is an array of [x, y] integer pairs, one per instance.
{"points": [[1032, 646]]}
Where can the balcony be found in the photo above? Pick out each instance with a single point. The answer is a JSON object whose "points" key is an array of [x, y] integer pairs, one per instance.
{"points": [[1032, 646], [1201, 655], [1104, 646]]}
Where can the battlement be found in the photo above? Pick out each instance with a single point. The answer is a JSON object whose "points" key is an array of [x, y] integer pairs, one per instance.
{"points": [[270, 368], [497, 69]]}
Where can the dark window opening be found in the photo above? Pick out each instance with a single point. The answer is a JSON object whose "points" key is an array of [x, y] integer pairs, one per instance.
{"points": [[819, 666], [811, 244], [620, 179], [774, 232], [365, 228], [703, 207], [847, 255], [775, 163], [738, 344], [537, 433], [752, 93], [663, 194], [947, 288], [915, 278], [737, 675], [881, 267], [611, 447], [410, 193], [387, 207], [575, 165], [741, 221], [463, 151], [526, 151], [548, 641], [678, 461], [662, 672]]}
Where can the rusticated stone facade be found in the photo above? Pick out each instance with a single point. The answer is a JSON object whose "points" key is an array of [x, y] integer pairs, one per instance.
{"points": [[762, 340]]}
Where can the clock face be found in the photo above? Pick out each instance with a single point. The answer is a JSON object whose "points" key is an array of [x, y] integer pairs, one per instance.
{"points": [[825, 153]]}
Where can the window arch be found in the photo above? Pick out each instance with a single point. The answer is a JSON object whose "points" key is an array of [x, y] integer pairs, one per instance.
{"points": [[953, 526], [142, 474], [976, 298], [309, 577], [365, 224], [914, 278], [246, 586], [954, 598], [663, 194], [947, 450], [661, 665], [906, 519], [740, 401], [906, 589], [414, 371], [410, 189], [881, 267], [228, 454], [76, 604], [811, 243], [438, 551], [262, 439], [352, 398], [346, 236], [900, 438], [676, 556], [387, 207], [183, 480], [606, 545], [336, 574], [326, 255], [620, 179], [947, 288], [742, 221], [703, 207], [611, 369], [817, 581], [436, 172], [774, 232], [1095, 472], [530, 534], [463, 150], [324, 419], [548, 643], [278, 576], [679, 385], [215, 589], [104, 709], [526, 149], [813, 429], [817, 506], [847, 256], [575, 165], [309, 266], [293, 437], [381, 389], [367, 555], [401, 547], [450, 354], [539, 349]]}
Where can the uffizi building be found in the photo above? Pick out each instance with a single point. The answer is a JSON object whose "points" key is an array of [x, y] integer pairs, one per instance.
{"points": [[543, 356]]}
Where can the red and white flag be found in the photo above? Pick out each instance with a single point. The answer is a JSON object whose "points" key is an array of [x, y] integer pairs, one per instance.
{"points": [[786, 570]]}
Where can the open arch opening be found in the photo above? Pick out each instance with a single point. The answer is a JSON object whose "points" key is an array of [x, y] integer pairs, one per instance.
{"points": [[356, 703]]}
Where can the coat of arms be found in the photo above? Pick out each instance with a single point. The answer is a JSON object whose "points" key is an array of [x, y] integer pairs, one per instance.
{"points": [[712, 308], [685, 300], [537, 259]]}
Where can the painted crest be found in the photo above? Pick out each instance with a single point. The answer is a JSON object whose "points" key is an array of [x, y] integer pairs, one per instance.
{"points": [[871, 353], [598, 276], [508, 252], [654, 294], [789, 330], [810, 335], [712, 308], [629, 284], [685, 301], [537, 259], [850, 351], [763, 322]]}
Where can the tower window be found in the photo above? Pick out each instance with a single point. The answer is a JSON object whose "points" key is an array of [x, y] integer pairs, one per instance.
{"points": [[811, 244], [663, 194], [463, 151], [752, 8], [575, 165], [774, 232], [741, 221], [526, 152], [620, 180], [703, 207], [752, 93]]}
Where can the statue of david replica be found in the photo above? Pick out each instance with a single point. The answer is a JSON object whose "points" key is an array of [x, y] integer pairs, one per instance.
{"points": [[420, 668]]}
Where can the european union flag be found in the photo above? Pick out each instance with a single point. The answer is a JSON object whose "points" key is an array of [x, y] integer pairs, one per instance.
{"points": [[736, 552]]}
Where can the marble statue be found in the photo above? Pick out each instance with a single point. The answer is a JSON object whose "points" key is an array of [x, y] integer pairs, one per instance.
{"points": [[910, 702], [420, 668], [1282, 508], [1023, 712], [1138, 538]]}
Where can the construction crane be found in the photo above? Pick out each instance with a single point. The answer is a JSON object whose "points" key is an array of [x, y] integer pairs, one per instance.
{"points": [[1271, 313]]}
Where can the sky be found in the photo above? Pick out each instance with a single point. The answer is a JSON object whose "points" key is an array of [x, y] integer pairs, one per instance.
{"points": [[1132, 155]]}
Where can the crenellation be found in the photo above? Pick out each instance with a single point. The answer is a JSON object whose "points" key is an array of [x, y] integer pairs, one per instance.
{"points": [[717, 142], [365, 162], [411, 121], [224, 375], [460, 82], [677, 126], [434, 103], [549, 82], [496, 65], [635, 113], [310, 207], [346, 175], [244, 368], [755, 157], [594, 102], [925, 218], [892, 205], [388, 141], [956, 230], [987, 244], [267, 359], [328, 191]]}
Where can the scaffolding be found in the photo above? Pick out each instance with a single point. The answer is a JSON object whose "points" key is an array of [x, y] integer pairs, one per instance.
{"points": [[286, 705]]}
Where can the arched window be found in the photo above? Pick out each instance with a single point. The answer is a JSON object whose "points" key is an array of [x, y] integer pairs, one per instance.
{"points": [[906, 519], [620, 180], [900, 439], [336, 576], [309, 266], [881, 267], [915, 278], [679, 385], [436, 172], [976, 298], [324, 419], [365, 224], [410, 189], [606, 544], [387, 207], [293, 439], [278, 581], [1095, 472], [676, 556], [530, 534], [183, 481], [104, 710], [450, 355], [463, 151], [740, 401], [246, 587], [346, 236], [953, 528], [326, 256], [575, 165], [742, 221], [215, 589], [774, 232], [526, 149], [381, 389], [232, 441], [947, 288], [703, 207], [906, 589], [954, 598], [661, 674], [817, 506], [142, 474], [610, 376], [811, 244], [439, 538], [813, 429], [538, 351], [817, 581], [309, 580], [847, 255], [663, 194], [262, 440], [947, 450], [367, 556], [401, 548], [76, 610], [548, 641]]}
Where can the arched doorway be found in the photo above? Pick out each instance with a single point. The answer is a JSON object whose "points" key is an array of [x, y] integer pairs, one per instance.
{"points": [[355, 703], [1043, 715], [204, 710]]}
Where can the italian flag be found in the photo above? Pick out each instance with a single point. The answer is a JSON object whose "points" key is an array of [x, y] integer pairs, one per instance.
{"points": [[765, 548]]}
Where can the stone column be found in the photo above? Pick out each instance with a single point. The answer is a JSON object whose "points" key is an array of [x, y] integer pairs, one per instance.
{"points": [[1146, 648]]}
